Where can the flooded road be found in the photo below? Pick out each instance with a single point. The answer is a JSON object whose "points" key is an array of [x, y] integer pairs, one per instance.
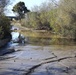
{"points": [[40, 57]]}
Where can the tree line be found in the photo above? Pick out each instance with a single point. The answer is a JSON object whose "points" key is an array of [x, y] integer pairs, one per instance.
{"points": [[59, 17]]}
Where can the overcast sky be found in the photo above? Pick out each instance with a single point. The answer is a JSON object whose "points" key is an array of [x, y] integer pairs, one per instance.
{"points": [[31, 3], [28, 3]]}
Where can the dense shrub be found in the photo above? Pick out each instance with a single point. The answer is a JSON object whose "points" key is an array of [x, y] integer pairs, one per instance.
{"points": [[4, 26], [37, 21], [60, 18]]}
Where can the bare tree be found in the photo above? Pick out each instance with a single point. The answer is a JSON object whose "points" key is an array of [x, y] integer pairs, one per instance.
{"points": [[3, 3]]}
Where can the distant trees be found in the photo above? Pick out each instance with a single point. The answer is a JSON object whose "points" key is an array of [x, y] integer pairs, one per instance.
{"points": [[40, 17], [20, 9], [59, 17], [3, 3]]}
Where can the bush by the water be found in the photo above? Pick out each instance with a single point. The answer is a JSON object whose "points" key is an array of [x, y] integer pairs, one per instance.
{"points": [[4, 27], [59, 17]]}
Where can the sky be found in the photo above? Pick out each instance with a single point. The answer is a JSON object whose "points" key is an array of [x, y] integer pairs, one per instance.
{"points": [[28, 3]]}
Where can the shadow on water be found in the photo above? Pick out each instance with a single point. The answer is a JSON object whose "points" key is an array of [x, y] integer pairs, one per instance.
{"points": [[46, 38], [37, 38], [50, 41]]}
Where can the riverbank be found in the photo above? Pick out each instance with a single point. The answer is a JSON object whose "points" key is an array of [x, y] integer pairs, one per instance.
{"points": [[36, 33], [39, 57]]}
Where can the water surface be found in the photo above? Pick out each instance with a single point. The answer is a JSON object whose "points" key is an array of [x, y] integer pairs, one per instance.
{"points": [[46, 38]]}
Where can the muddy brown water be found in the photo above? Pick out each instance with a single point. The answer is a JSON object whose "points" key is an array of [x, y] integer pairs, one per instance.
{"points": [[36, 37], [41, 55]]}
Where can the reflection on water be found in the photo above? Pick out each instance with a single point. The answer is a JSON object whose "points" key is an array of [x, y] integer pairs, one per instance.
{"points": [[46, 38], [50, 41], [14, 35]]}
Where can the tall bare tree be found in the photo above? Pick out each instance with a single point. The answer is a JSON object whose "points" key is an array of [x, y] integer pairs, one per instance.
{"points": [[3, 3]]}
